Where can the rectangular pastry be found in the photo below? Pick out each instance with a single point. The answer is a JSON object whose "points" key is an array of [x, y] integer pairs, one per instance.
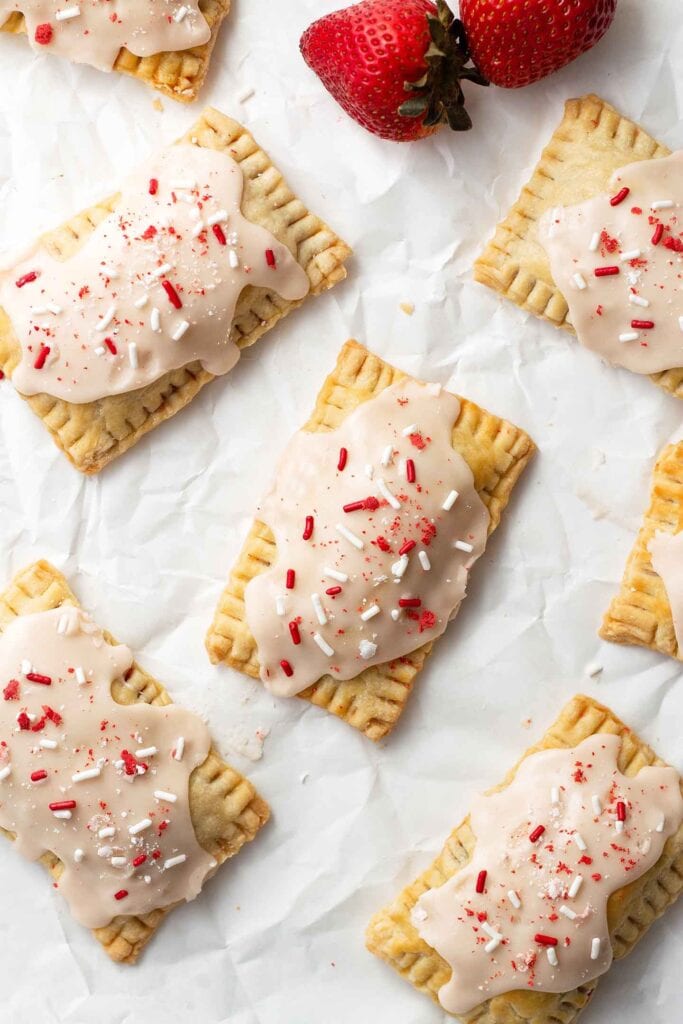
{"points": [[648, 610], [367, 570], [113, 323], [118, 792], [557, 871], [591, 243], [167, 45]]}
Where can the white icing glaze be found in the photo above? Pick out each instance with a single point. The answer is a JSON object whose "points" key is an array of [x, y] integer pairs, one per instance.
{"points": [[363, 623], [492, 945], [666, 552], [91, 731], [647, 288], [100, 28], [112, 294]]}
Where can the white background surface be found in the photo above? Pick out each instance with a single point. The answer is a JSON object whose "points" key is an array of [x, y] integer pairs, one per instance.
{"points": [[277, 937]]}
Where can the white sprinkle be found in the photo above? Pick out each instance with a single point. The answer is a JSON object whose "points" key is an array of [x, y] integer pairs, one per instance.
{"points": [[161, 794], [369, 470], [568, 912], [424, 560], [52, 307], [146, 752], [174, 861], [280, 605], [579, 840], [197, 229], [403, 468], [387, 455], [48, 744], [185, 185], [106, 319], [399, 567], [660, 824], [147, 878], [514, 899], [632, 254], [645, 845], [351, 537], [367, 649], [245, 95], [89, 773], [79, 855], [180, 330], [638, 300], [80, 676], [552, 956], [680, 322], [5, 772], [462, 545], [662, 204], [619, 825], [233, 259], [133, 355], [580, 281], [104, 851], [65, 815], [629, 336], [140, 826], [370, 612], [219, 217], [155, 320], [595, 948], [334, 574], [396, 614], [100, 350], [181, 13], [597, 806], [118, 862], [493, 944], [62, 625], [490, 931], [450, 501], [179, 749], [554, 795], [323, 645], [109, 272], [141, 302], [593, 669], [386, 493], [577, 882], [26, 667], [67, 14], [107, 833], [163, 269], [594, 242], [318, 609], [411, 429]]}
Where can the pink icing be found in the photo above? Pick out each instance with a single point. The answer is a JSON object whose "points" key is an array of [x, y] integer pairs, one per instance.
{"points": [[666, 551]]}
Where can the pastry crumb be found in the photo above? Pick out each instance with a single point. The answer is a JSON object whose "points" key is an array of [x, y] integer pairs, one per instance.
{"points": [[158, 105], [246, 94], [407, 307], [526, 723]]}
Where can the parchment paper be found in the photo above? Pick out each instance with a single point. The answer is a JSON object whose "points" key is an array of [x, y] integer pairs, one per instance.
{"points": [[277, 937]]}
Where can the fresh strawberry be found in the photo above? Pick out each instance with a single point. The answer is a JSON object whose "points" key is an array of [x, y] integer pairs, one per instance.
{"points": [[515, 42], [395, 66]]}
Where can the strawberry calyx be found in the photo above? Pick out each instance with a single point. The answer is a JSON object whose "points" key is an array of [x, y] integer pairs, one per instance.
{"points": [[437, 97]]}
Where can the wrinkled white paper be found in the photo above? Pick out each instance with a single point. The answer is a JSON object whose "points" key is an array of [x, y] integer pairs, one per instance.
{"points": [[277, 937]]}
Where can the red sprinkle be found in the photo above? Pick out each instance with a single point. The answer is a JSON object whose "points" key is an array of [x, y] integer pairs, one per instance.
{"points": [[545, 940], [173, 296], [410, 471], [11, 691], [38, 776], [657, 236], [606, 271], [354, 506], [27, 279], [121, 894], [308, 528], [286, 668], [343, 456], [41, 357], [537, 833], [620, 196], [409, 602], [219, 233], [35, 678], [153, 186], [644, 325], [294, 632], [621, 810], [62, 805], [481, 882], [270, 257], [289, 579], [110, 345], [333, 591], [54, 716], [44, 33], [140, 859], [405, 548], [23, 721]]}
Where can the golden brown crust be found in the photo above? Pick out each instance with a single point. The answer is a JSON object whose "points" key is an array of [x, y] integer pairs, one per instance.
{"points": [[179, 74], [95, 433], [496, 452], [640, 613], [591, 142], [226, 810], [630, 911]]}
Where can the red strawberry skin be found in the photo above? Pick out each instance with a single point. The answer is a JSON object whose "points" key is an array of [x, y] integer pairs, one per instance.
{"points": [[365, 54], [516, 42]]}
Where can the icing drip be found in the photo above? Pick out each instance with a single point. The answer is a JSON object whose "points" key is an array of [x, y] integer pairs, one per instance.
{"points": [[618, 260], [377, 524], [92, 32], [153, 289], [102, 785], [666, 551], [529, 911]]}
